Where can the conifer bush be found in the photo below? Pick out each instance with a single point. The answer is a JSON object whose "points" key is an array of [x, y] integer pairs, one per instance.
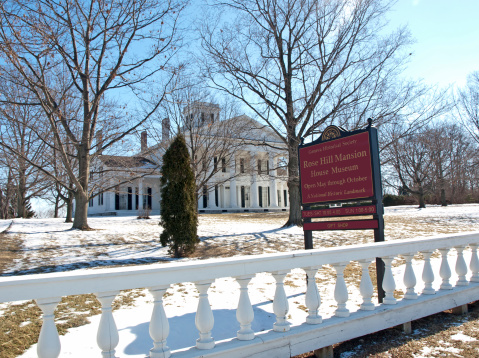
{"points": [[179, 217]]}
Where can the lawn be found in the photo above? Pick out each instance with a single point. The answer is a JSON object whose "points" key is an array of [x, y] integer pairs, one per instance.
{"points": [[48, 245]]}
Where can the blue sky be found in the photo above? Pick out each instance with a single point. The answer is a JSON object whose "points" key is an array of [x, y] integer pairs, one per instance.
{"points": [[447, 38]]}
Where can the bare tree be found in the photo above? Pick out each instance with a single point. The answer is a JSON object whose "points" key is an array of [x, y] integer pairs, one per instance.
{"points": [[105, 49], [20, 146], [468, 105], [299, 65], [411, 159]]}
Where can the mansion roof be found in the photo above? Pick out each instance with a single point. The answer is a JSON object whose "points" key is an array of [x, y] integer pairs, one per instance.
{"points": [[117, 161]]}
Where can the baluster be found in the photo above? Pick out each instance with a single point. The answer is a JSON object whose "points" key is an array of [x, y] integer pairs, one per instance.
{"points": [[409, 278], [244, 313], [280, 303], [313, 299], [340, 291], [474, 265], [445, 270], [461, 267], [389, 285], [48, 342], [159, 326], [107, 336], [428, 274], [366, 287], [204, 319]]}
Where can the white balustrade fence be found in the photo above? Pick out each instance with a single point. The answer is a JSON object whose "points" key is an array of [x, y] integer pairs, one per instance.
{"points": [[283, 339]]}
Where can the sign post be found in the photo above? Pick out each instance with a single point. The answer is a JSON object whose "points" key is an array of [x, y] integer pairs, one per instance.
{"points": [[342, 167]]}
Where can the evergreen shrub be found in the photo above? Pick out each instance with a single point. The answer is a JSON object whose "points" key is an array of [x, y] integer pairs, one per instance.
{"points": [[179, 217]]}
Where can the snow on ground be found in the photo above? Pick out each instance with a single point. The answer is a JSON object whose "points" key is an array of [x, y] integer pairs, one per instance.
{"points": [[50, 245], [4, 225]]}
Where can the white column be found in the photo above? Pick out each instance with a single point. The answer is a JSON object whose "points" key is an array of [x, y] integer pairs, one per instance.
{"points": [[313, 299], [140, 195], [233, 202], [445, 270], [409, 279], [340, 291], [474, 264], [48, 341], [159, 327], [211, 199], [272, 182], [461, 267], [280, 303], [254, 182], [428, 274], [366, 287], [204, 319], [107, 336], [111, 197], [244, 313]]}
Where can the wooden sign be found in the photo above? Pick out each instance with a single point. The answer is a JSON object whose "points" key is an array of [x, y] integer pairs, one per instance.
{"points": [[337, 170]]}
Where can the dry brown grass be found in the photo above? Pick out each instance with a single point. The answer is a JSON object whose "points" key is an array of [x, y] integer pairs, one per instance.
{"points": [[10, 249]]}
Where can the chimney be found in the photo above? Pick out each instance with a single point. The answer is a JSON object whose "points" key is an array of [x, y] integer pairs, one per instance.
{"points": [[99, 141], [165, 129], [144, 141]]}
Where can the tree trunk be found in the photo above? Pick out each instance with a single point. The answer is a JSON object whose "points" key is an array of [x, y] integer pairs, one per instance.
{"points": [[69, 203], [443, 197], [293, 185], [81, 212], [21, 193], [57, 201], [422, 203], [80, 221]]}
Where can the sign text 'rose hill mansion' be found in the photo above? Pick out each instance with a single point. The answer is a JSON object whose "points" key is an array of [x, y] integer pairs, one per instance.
{"points": [[244, 173]]}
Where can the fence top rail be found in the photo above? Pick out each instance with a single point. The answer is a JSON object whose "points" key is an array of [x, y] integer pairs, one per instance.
{"points": [[38, 286]]}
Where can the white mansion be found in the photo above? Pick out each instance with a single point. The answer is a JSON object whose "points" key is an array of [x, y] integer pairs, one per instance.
{"points": [[241, 169]]}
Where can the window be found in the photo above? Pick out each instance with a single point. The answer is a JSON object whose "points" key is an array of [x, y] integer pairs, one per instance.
{"points": [[117, 198], [267, 167], [149, 196], [241, 165], [130, 198], [223, 165], [202, 118], [136, 198], [100, 199], [215, 165], [259, 166], [204, 164], [90, 203], [212, 117]]}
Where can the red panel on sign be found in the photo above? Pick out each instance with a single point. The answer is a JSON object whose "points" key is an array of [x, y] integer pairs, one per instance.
{"points": [[337, 170], [341, 225], [347, 211]]}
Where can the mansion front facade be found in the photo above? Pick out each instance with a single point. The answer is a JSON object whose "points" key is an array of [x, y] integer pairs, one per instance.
{"points": [[252, 179]]}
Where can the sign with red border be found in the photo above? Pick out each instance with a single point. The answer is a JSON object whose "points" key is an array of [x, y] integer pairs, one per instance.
{"points": [[336, 170]]}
